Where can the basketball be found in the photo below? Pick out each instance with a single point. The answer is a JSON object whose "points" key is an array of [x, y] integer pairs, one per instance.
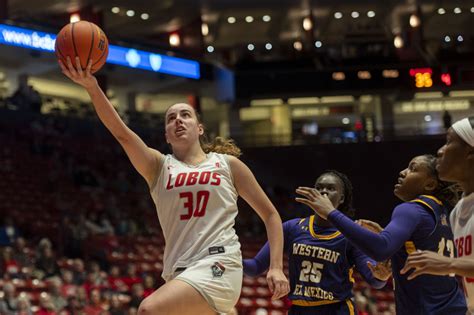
{"points": [[85, 40]]}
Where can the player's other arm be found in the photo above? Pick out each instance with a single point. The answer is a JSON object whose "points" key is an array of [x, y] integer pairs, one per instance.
{"points": [[145, 160], [249, 189], [261, 262], [376, 274], [427, 262]]}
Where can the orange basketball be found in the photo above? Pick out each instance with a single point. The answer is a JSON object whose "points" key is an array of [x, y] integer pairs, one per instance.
{"points": [[85, 40]]}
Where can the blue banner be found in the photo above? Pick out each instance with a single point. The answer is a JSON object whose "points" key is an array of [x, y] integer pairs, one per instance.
{"points": [[123, 56]]}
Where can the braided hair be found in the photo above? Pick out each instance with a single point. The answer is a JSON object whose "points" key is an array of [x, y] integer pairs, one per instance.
{"points": [[448, 193], [346, 206]]}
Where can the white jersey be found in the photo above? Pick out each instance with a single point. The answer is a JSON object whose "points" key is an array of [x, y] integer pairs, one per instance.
{"points": [[462, 223], [196, 206]]}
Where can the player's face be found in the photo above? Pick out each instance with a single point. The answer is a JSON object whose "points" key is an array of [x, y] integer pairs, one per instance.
{"points": [[182, 125], [331, 186], [415, 180], [453, 158]]}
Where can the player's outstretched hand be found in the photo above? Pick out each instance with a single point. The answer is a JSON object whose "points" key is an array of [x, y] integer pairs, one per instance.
{"points": [[277, 283], [320, 203], [426, 262], [76, 74], [382, 270], [370, 225]]}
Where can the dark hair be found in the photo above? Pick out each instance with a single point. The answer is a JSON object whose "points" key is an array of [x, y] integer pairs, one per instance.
{"points": [[218, 144], [447, 193], [346, 206]]}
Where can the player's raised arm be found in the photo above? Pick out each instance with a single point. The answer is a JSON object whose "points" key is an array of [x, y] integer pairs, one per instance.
{"points": [[145, 160]]}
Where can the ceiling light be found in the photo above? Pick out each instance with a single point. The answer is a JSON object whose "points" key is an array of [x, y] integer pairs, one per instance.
{"points": [[210, 49], [231, 20], [338, 76], [460, 38], [398, 41], [268, 46], [75, 17], [338, 15], [298, 45], [390, 73], [428, 118], [457, 10], [250, 47], [204, 29], [115, 10], [371, 14], [355, 14], [249, 19], [130, 13], [318, 44], [307, 24], [441, 11], [174, 39], [266, 18], [364, 75], [447, 39], [145, 16], [472, 9], [414, 20]]}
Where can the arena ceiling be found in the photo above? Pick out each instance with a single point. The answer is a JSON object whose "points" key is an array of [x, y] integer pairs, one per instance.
{"points": [[365, 35]]}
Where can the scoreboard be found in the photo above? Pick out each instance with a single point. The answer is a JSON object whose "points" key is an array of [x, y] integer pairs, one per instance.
{"points": [[302, 82]]}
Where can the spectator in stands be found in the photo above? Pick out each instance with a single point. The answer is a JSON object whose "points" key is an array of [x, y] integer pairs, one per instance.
{"points": [[58, 300], [26, 97], [115, 281], [46, 263], [8, 232], [116, 307], [20, 253], [93, 282], [24, 306], [131, 277], [79, 271], [80, 232], [82, 297], [9, 302], [74, 307], [46, 306], [8, 265], [137, 295], [68, 287], [149, 285], [192, 241], [309, 244], [95, 306]]}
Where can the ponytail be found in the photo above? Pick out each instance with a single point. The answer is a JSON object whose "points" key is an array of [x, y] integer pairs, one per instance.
{"points": [[220, 145]]}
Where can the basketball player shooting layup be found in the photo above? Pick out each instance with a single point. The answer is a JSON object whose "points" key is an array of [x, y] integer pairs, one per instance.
{"points": [[195, 192], [455, 164]]}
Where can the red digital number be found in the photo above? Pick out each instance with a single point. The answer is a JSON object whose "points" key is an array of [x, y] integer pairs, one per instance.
{"points": [[194, 210]]}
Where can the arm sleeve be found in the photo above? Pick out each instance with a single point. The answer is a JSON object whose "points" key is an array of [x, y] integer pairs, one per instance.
{"points": [[360, 261], [260, 263], [382, 246]]}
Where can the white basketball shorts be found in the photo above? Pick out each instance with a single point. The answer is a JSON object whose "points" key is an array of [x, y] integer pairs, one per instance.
{"points": [[218, 278]]}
